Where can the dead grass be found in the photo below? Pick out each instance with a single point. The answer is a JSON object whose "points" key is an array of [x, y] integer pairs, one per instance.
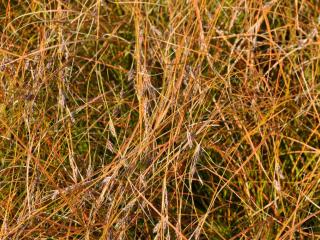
{"points": [[194, 119]]}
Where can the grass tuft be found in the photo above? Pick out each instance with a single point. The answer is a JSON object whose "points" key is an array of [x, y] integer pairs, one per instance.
{"points": [[194, 119]]}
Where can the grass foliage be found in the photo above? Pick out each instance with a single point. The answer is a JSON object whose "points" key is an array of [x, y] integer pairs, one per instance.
{"points": [[185, 119]]}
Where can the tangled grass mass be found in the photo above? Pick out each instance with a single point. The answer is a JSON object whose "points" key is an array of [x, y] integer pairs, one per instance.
{"points": [[178, 119]]}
